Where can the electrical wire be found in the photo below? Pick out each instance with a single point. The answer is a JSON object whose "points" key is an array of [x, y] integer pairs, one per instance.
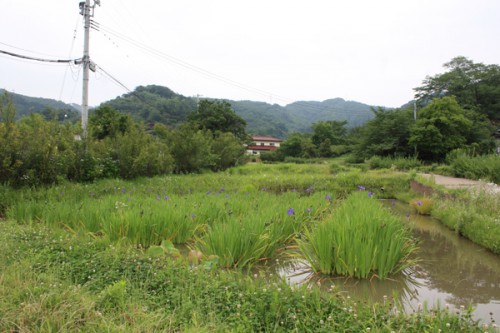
{"points": [[118, 82], [75, 31], [38, 59], [145, 48]]}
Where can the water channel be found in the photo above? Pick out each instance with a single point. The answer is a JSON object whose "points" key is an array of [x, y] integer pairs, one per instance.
{"points": [[452, 272]]}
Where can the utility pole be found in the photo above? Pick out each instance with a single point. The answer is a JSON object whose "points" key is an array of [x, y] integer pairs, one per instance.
{"points": [[87, 11], [415, 119]]}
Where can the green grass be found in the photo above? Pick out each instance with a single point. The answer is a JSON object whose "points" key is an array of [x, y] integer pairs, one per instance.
{"points": [[473, 214], [99, 257], [486, 167], [398, 163], [360, 239], [52, 280], [188, 209]]}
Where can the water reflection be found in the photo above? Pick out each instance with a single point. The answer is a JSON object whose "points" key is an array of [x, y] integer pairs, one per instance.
{"points": [[452, 270]]}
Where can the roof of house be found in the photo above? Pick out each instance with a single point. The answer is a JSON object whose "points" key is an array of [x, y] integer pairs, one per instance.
{"points": [[265, 138]]}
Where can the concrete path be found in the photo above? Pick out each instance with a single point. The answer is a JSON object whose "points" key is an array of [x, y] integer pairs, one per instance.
{"points": [[452, 182]]}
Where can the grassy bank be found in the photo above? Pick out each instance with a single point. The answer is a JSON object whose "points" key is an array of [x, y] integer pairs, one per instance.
{"points": [[473, 214], [55, 280]]}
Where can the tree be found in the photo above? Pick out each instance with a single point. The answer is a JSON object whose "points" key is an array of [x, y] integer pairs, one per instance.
{"points": [[298, 145], [107, 122], [328, 133], [441, 127], [191, 149], [385, 135], [218, 117], [476, 86], [228, 151]]}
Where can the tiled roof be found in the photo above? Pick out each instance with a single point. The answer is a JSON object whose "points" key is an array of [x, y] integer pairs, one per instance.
{"points": [[265, 138]]}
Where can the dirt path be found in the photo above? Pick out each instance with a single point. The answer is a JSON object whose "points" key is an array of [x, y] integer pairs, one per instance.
{"points": [[452, 182]]}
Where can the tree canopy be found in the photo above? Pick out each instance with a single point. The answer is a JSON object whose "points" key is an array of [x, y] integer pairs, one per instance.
{"points": [[218, 117], [441, 127], [475, 86], [386, 135]]}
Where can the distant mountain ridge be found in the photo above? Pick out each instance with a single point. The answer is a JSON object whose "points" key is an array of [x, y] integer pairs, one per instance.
{"points": [[158, 104], [25, 105]]}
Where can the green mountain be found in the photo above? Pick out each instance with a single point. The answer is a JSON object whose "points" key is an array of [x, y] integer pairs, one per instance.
{"points": [[49, 108], [156, 104], [160, 104]]}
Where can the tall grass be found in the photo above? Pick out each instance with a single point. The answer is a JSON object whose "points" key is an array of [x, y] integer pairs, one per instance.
{"points": [[398, 163], [361, 238], [473, 214], [259, 225], [486, 167]]}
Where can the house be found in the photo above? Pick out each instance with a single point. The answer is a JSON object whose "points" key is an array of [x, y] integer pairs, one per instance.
{"points": [[263, 144]]}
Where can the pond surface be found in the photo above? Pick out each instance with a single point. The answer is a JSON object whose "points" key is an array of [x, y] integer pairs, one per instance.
{"points": [[452, 272]]}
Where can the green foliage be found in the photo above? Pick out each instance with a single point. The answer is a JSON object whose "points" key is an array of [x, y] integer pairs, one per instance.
{"points": [[474, 215], [441, 127], [298, 145], [465, 164], [476, 86], [398, 163], [385, 135], [218, 117], [35, 151], [154, 104], [107, 122], [191, 149], [55, 281], [422, 206], [50, 109], [360, 239], [228, 151], [328, 133], [113, 297]]}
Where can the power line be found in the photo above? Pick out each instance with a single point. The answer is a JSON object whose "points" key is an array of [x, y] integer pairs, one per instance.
{"points": [[38, 59], [189, 66], [126, 88], [152, 51]]}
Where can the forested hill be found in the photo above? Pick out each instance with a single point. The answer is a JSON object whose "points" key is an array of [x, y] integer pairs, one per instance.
{"points": [[156, 104], [50, 108], [160, 104]]}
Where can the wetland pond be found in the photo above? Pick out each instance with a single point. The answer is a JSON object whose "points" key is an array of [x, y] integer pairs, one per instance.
{"points": [[452, 272]]}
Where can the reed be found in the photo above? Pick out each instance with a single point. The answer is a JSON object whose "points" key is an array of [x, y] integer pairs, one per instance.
{"points": [[360, 239]]}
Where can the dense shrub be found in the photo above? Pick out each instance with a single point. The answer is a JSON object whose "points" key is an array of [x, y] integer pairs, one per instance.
{"points": [[465, 164], [399, 163], [34, 151]]}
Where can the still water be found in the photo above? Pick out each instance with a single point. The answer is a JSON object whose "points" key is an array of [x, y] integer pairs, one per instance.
{"points": [[452, 272]]}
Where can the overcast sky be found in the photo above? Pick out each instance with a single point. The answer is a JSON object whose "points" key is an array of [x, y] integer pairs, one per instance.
{"points": [[275, 51]]}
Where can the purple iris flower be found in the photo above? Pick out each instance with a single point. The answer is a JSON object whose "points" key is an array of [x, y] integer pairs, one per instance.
{"points": [[328, 197], [308, 210], [361, 187], [419, 203], [370, 194], [290, 211]]}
